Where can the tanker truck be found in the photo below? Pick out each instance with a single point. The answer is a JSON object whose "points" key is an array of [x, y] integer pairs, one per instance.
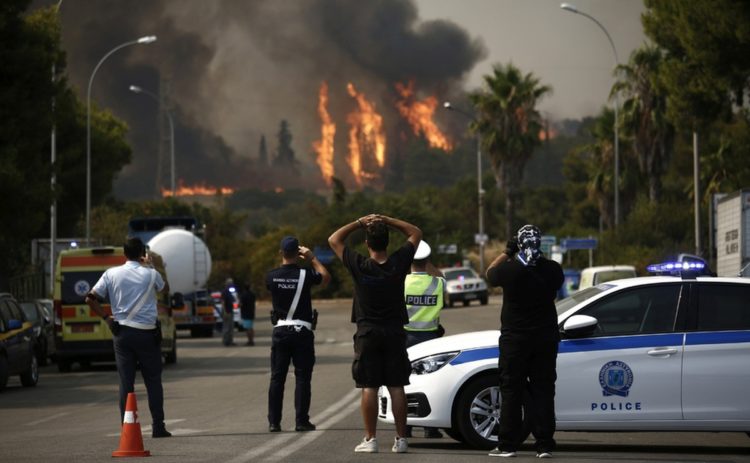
{"points": [[187, 262]]}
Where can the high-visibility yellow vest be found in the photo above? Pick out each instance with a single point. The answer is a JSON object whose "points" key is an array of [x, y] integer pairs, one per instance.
{"points": [[424, 299]]}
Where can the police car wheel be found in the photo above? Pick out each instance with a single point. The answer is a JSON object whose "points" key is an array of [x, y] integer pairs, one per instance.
{"points": [[3, 372], [478, 412], [31, 376], [454, 434]]}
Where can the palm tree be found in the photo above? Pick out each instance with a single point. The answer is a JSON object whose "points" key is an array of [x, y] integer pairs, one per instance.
{"points": [[600, 158], [644, 115], [509, 126]]}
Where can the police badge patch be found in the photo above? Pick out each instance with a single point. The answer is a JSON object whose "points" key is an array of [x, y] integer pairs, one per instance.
{"points": [[615, 378]]}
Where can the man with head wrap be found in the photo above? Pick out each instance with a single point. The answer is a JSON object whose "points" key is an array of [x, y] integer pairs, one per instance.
{"points": [[528, 340]]}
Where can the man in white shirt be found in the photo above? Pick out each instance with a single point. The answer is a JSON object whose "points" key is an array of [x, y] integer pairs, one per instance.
{"points": [[131, 289]]}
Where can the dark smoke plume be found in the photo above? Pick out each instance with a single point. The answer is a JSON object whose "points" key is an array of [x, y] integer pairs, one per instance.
{"points": [[236, 68]]}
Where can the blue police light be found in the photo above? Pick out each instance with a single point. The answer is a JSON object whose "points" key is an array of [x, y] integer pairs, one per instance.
{"points": [[232, 289], [676, 268]]}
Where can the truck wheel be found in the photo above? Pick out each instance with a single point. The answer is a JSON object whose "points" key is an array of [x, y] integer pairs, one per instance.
{"points": [[466, 303], [3, 372], [196, 332], [30, 376], [208, 332], [63, 365], [171, 356]]}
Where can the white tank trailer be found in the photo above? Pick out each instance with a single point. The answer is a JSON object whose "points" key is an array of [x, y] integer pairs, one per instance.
{"points": [[187, 262]]}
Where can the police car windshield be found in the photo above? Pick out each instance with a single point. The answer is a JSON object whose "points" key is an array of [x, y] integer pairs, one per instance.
{"points": [[576, 298]]}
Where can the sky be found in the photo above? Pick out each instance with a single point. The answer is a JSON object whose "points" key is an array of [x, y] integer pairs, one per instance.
{"points": [[231, 70], [567, 51]]}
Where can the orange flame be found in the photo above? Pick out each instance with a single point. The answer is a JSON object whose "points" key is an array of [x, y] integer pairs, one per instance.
{"points": [[196, 190], [324, 147], [366, 127], [419, 115]]}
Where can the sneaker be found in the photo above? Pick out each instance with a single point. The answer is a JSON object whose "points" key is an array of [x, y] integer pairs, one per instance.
{"points": [[274, 428], [543, 455], [367, 446], [400, 445], [496, 452], [303, 427]]}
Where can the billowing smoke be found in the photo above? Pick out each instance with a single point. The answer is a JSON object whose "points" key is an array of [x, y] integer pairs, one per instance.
{"points": [[234, 69]]}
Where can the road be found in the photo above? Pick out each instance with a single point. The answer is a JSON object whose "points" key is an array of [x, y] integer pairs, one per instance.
{"points": [[216, 408]]}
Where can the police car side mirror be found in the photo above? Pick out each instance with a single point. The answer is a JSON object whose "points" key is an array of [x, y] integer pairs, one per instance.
{"points": [[579, 326]]}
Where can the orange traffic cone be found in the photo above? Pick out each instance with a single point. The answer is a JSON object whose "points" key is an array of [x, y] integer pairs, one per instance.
{"points": [[131, 440]]}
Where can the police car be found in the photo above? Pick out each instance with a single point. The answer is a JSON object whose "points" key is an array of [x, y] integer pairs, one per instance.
{"points": [[658, 353]]}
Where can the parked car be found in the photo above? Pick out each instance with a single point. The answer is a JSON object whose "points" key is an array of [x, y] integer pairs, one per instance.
{"points": [[16, 344], [462, 284], [44, 329], [657, 353]]}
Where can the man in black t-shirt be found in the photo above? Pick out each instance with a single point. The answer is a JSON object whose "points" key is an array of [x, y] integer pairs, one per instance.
{"points": [[529, 339], [379, 311], [292, 338]]}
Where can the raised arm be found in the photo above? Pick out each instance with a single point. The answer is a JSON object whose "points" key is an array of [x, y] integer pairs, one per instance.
{"points": [[309, 256], [337, 240], [412, 232]]}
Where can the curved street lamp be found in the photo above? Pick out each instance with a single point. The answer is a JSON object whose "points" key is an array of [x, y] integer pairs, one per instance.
{"points": [[137, 89], [480, 192], [572, 8], [143, 40]]}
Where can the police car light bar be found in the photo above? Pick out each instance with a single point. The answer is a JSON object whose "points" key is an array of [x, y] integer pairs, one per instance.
{"points": [[675, 267]]}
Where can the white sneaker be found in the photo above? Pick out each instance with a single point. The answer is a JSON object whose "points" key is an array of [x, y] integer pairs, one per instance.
{"points": [[400, 445], [496, 452], [544, 455], [367, 446]]}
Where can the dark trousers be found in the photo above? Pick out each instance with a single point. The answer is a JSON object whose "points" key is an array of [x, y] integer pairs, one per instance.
{"points": [[415, 337], [289, 345], [528, 366], [139, 347]]}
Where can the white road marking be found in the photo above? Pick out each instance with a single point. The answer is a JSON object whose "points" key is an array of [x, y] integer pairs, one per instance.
{"points": [[326, 418], [49, 418]]}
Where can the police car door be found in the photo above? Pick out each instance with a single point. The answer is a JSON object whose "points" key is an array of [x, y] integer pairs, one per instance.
{"points": [[629, 368], [716, 369]]}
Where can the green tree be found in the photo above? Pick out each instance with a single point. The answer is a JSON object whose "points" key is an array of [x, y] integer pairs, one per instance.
{"points": [[644, 114], [509, 125]]}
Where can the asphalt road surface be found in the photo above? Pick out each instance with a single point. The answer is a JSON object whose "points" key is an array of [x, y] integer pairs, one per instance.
{"points": [[216, 404]]}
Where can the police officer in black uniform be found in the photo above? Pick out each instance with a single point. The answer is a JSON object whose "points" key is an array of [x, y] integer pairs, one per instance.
{"points": [[292, 338]]}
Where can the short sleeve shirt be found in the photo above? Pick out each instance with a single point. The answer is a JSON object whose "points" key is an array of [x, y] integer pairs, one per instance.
{"points": [[379, 288], [282, 282], [125, 285], [528, 293]]}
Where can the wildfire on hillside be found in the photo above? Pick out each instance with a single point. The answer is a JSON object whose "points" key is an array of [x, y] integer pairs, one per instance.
{"points": [[419, 115], [324, 146], [366, 136], [196, 190]]}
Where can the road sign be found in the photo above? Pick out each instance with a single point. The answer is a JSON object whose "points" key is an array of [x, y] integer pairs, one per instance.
{"points": [[480, 238], [578, 243], [447, 249]]}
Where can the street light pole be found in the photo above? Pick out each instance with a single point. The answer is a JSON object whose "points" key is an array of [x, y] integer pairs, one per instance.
{"points": [[142, 40], [137, 89], [480, 192], [573, 9]]}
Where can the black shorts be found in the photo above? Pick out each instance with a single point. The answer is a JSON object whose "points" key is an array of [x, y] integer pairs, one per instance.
{"points": [[380, 357]]}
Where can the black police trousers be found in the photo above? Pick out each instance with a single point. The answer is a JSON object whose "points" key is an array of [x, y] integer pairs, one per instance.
{"points": [[289, 345], [139, 347], [528, 368]]}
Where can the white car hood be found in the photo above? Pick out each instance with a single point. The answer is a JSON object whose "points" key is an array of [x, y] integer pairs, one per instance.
{"points": [[456, 342]]}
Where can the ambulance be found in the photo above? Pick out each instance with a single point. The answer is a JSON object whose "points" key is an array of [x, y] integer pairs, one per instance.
{"points": [[80, 334]]}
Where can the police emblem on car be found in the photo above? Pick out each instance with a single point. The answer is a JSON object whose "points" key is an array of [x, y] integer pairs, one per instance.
{"points": [[615, 378]]}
